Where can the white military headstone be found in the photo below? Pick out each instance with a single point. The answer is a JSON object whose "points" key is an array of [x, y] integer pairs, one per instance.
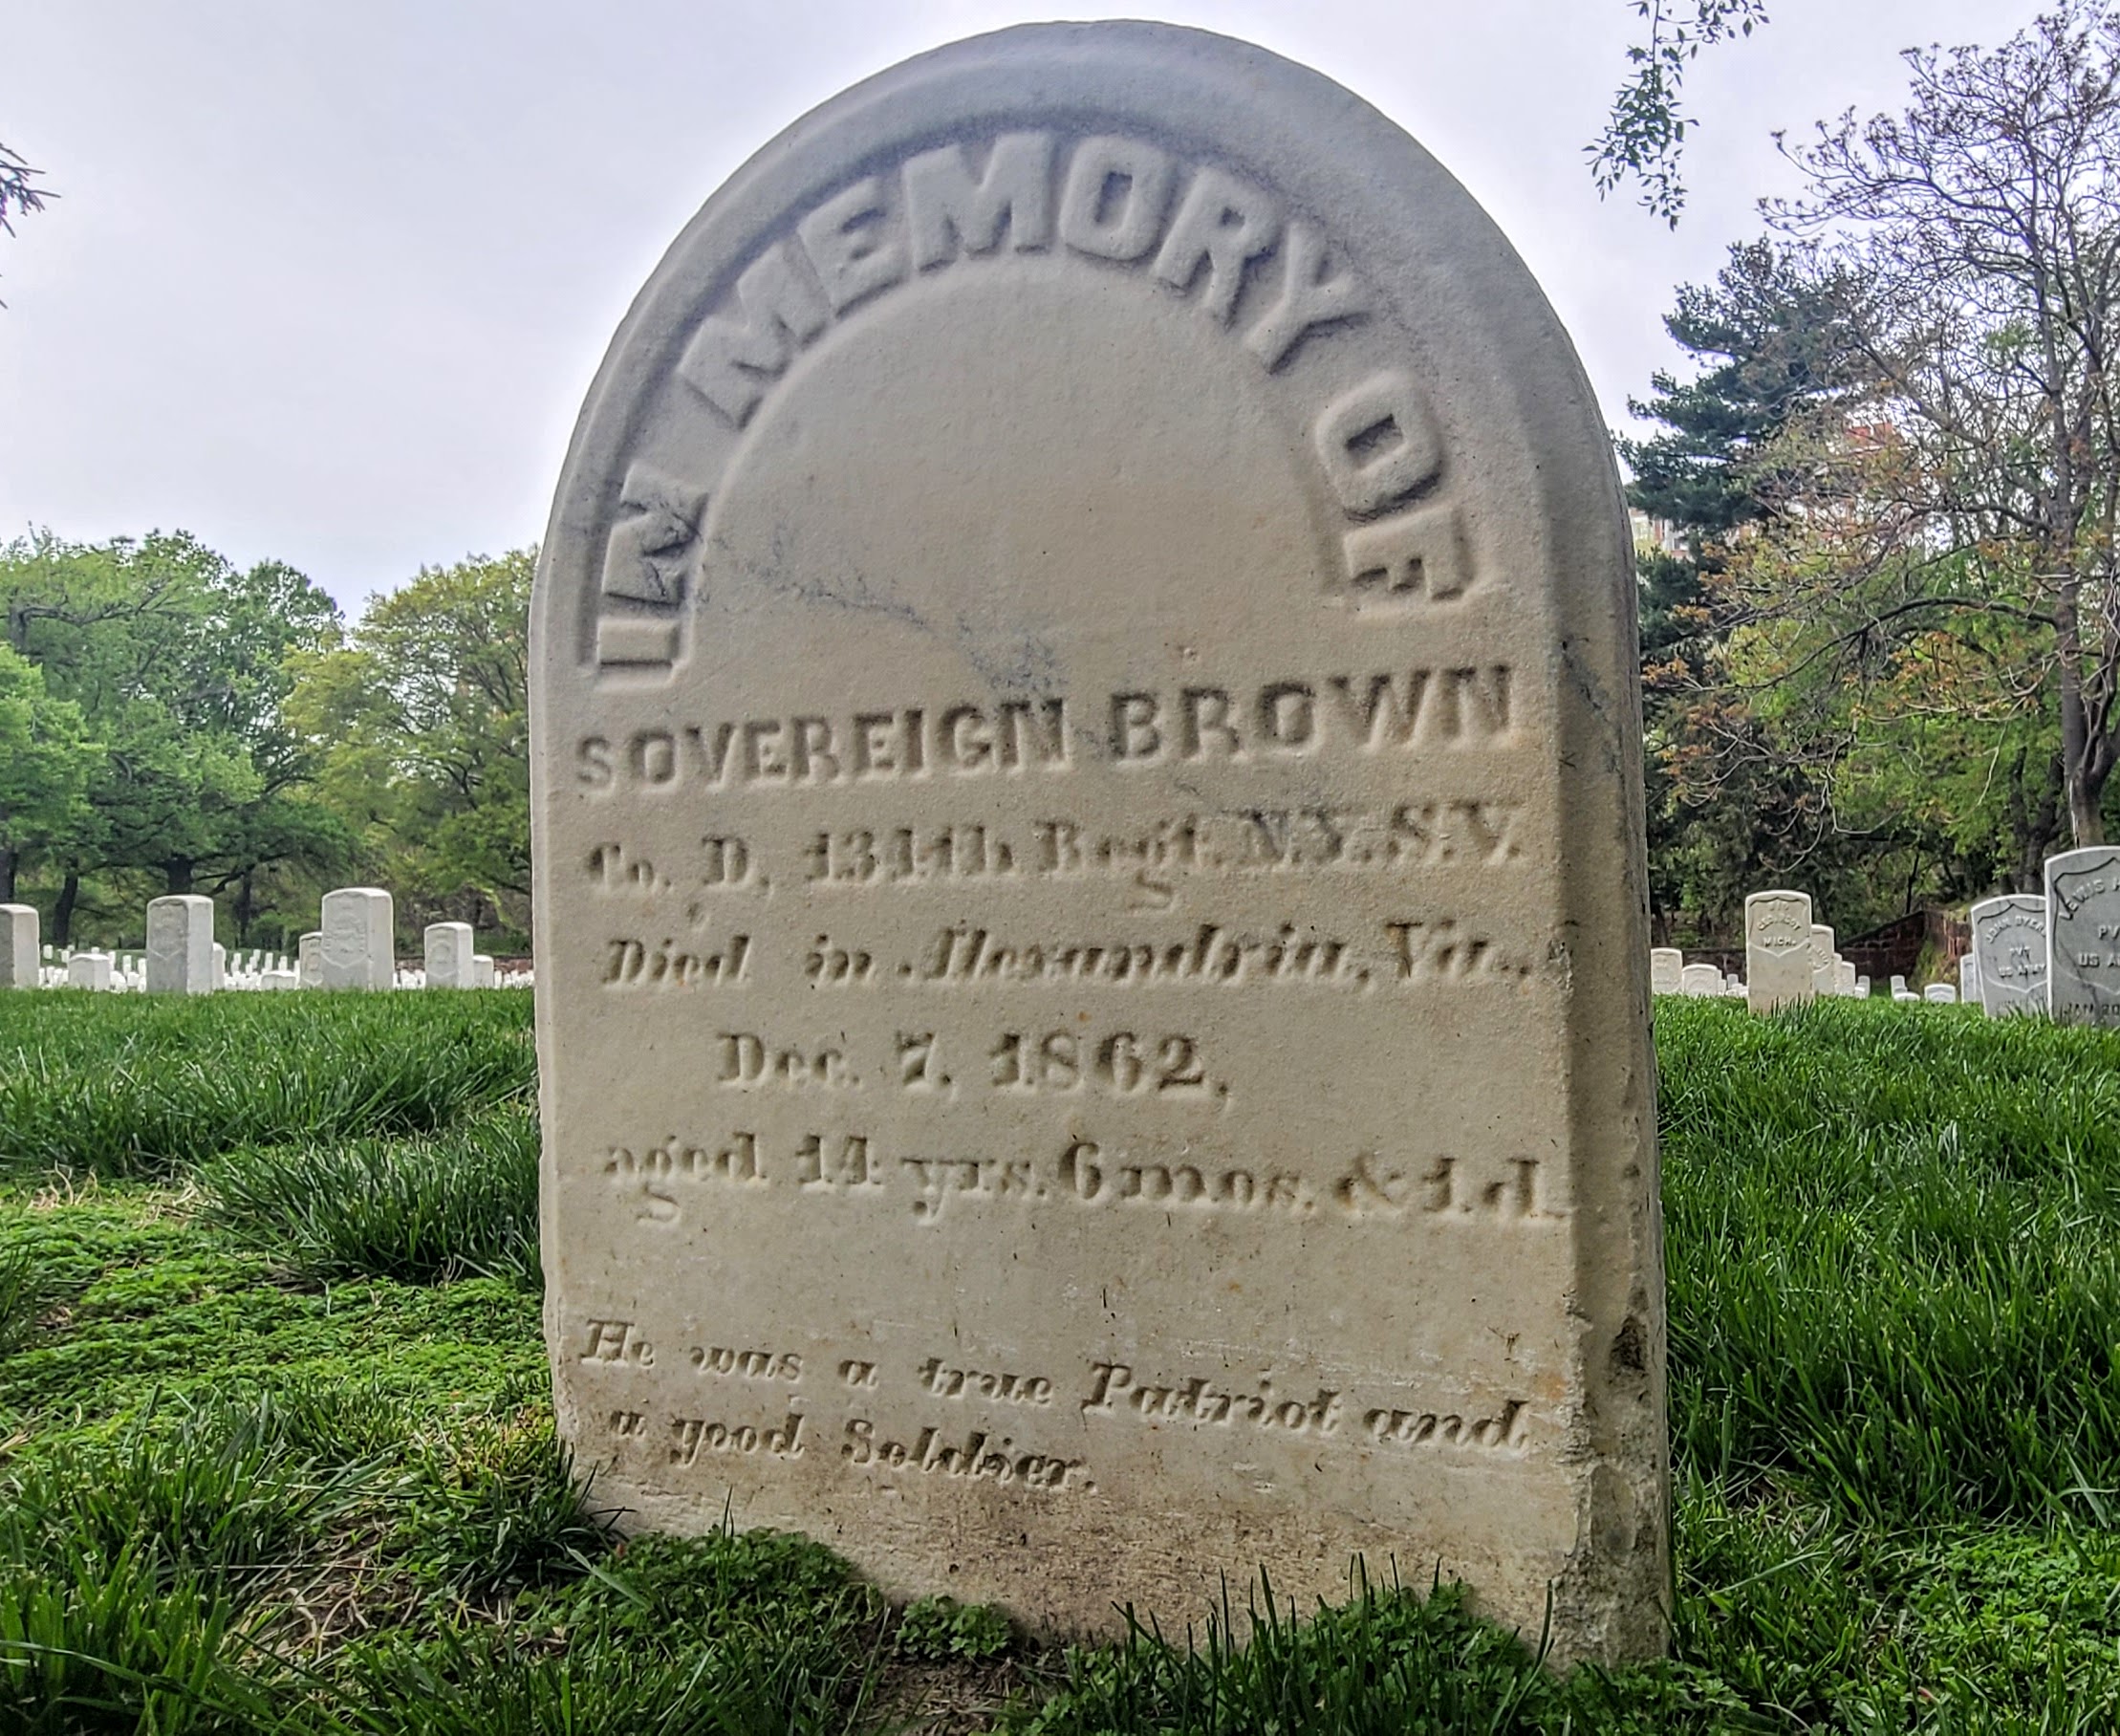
{"points": [[2082, 935], [1699, 980], [308, 959], [89, 970], [279, 979], [1777, 950], [1969, 977], [482, 971], [1090, 902], [448, 955], [180, 944], [1666, 970], [217, 975], [359, 939], [1844, 976], [1862, 987], [1942, 993], [1822, 958], [2009, 944], [19, 959]]}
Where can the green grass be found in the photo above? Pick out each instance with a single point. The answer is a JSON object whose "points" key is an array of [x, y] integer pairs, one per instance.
{"points": [[276, 1454], [421, 1209], [127, 1086]]}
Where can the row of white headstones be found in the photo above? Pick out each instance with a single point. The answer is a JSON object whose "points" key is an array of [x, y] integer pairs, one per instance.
{"points": [[354, 947], [2056, 953]]}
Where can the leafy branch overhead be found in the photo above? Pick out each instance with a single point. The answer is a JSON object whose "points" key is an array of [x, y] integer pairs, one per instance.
{"points": [[19, 196], [1645, 133]]}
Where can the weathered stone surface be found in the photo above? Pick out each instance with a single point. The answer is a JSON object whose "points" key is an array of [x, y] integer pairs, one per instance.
{"points": [[19, 957], [1700, 979], [2082, 935], [180, 944], [448, 955], [1777, 950], [1666, 970], [357, 950], [1090, 923], [2009, 947]]}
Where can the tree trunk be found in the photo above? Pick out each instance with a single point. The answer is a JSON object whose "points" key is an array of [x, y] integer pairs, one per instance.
{"points": [[2086, 822], [9, 859], [62, 912], [2035, 824], [2083, 824], [178, 875]]}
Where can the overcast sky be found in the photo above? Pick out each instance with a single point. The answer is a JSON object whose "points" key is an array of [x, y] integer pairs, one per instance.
{"points": [[328, 282]]}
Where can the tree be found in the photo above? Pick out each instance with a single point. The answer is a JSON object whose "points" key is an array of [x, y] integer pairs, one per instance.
{"points": [[1645, 133], [1982, 228], [180, 662], [1771, 335], [1917, 735], [421, 722], [46, 763], [1724, 811]]}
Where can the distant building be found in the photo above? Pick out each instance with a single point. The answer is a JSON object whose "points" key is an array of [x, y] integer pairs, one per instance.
{"points": [[1652, 536]]}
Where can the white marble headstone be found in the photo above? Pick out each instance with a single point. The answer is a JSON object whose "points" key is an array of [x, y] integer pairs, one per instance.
{"points": [[180, 945], [89, 970], [2082, 935], [19, 962], [1778, 964], [2009, 946], [1090, 913], [358, 943], [448, 955]]}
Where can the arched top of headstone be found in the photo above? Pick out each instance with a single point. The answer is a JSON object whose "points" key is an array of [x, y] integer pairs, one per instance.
{"points": [[1258, 243]]}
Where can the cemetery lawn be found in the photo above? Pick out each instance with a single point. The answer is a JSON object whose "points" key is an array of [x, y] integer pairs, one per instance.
{"points": [[276, 1454]]}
